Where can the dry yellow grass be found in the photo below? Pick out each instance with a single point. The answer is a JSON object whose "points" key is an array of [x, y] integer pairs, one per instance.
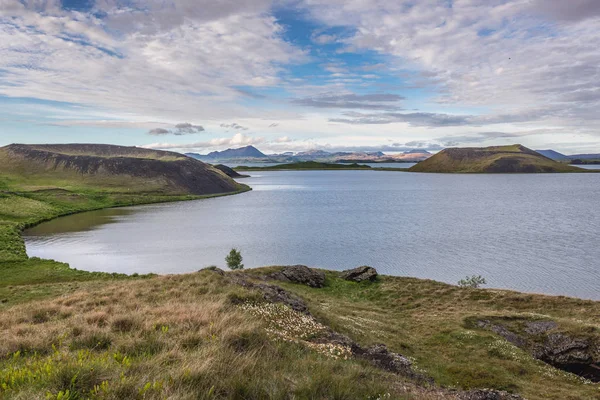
{"points": [[172, 337]]}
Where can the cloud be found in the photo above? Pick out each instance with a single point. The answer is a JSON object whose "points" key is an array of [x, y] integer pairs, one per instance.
{"points": [[187, 128], [376, 101], [159, 131], [174, 59], [238, 140], [413, 119], [508, 55], [324, 39], [571, 10], [184, 128], [234, 126]]}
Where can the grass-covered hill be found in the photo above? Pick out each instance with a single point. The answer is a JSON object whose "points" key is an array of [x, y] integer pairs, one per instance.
{"points": [[497, 159], [41, 182], [111, 168]]}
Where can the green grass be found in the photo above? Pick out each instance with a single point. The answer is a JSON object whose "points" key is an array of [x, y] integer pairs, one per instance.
{"points": [[169, 337], [23, 209], [428, 321]]}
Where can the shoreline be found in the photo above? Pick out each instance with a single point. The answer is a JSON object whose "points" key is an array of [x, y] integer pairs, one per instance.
{"points": [[43, 206]]}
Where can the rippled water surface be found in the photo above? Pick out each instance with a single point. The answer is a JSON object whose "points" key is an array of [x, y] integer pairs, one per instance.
{"points": [[536, 233]]}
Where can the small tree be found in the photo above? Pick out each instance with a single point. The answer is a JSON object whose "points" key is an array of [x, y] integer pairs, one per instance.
{"points": [[472, 281], [234, 259]]}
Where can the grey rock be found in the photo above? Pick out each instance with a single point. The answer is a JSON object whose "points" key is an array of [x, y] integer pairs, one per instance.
{"points": [[561, 349], [360, 274], [301, 274], [539, 327]]}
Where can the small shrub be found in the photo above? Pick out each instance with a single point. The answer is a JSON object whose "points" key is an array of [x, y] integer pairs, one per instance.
{"points": [[234, 260], [472, 281]]}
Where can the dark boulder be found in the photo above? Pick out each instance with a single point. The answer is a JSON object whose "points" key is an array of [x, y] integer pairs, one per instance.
{"points": [[360, 274], [301, 274]]}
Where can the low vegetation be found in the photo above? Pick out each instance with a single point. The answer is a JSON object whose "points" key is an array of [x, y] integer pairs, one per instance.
{"points": [[474, 281], [176, 337], [201, 336], [234, 260]]}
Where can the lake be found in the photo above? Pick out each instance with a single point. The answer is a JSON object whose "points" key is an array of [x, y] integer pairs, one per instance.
{"points": [[528, 232]]}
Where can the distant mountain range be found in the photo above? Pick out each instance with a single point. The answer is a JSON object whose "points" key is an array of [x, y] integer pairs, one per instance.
{"points": [[242, 152], [252, 154], [555, 155]]}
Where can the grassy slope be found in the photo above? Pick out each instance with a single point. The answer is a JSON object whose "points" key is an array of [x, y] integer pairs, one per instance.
{"points": [[30, 194], [479, 160], [426, 320], [175, 337], [183, 337]]}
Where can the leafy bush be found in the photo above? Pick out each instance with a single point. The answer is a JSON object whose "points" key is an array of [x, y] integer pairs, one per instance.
{"points": [[472, 281], [234, 259]]}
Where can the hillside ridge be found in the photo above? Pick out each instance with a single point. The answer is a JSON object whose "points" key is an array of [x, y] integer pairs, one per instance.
{"points": [[495, 159], [112, 167]]}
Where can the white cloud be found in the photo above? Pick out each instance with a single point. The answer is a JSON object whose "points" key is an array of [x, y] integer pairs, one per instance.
{"points": [[178, 61], [506, 56], [237, 140]]}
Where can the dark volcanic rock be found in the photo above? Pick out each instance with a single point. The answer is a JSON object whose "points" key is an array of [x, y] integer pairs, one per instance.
{"points": [[571, 353], [271, 293], [301, 274], [539, 327], [488, 394], [559, 349], [230, 172], [380, 356], [360, 274]]}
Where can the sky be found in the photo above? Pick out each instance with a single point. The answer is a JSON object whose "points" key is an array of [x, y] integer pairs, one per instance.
{"points": [[297, 75]]}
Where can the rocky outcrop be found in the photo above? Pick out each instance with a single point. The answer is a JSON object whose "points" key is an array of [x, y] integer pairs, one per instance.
{"points": [[573, 353], [300, 274], [377, 355], [360, 274]]}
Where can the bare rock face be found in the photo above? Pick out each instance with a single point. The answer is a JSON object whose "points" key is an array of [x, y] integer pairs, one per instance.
{"points": [[360, 274], [301, 274], [573, 353]]}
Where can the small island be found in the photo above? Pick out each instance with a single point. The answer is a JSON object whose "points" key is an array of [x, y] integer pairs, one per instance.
{"points": [[496, 159]]}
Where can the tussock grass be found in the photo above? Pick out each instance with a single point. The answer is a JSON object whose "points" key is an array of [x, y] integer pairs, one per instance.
{"points": [[430, 322], [168, 337]]}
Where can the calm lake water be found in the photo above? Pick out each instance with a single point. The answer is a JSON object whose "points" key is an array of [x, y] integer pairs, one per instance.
{"points": [[536, 233]]}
